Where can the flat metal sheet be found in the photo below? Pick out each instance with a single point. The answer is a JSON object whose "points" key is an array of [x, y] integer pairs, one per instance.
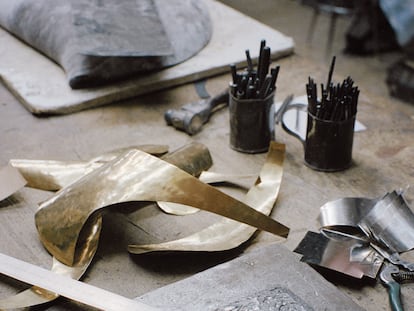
{"points": [[343, 254], [97, 42], [41, 85], [119, 28]]}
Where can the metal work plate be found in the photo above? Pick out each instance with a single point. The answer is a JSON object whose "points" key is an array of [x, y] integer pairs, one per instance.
{"points": [[278, 298], [258, 280]]}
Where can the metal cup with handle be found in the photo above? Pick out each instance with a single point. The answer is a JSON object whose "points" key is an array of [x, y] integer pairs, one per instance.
{"points": [[327, 143]]}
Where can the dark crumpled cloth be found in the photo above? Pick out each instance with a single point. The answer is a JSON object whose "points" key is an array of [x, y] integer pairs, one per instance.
{"points": [[101, 41]]}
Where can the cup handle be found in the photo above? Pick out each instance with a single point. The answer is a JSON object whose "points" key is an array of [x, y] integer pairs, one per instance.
{"points": [[297, 107]]}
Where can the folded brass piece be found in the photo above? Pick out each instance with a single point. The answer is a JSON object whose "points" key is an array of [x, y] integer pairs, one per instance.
{"points": [[53, 175], [208, 178], [36, 295], [228, 234], [133, 176], [69, 223]]}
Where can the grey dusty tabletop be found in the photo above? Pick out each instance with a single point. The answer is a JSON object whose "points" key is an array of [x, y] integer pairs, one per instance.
{"points": [[382, 162]]}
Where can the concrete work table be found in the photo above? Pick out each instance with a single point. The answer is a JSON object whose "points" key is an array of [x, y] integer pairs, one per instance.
{"points": [[383, 161]]}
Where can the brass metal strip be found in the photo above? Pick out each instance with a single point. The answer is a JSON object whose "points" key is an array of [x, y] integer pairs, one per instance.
{"points": [[228, 234], [134, 176]]}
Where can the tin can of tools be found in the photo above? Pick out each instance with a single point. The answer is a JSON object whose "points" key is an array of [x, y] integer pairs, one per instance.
{"points": [[252, 123]]}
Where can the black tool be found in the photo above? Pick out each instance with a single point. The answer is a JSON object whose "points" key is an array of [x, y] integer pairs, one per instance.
{"points": [[191, 117], [251, 83], [337, 102]]}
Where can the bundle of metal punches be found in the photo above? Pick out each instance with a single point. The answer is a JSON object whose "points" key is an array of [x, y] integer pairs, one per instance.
{"points": [[251, 83], [338, 102]]}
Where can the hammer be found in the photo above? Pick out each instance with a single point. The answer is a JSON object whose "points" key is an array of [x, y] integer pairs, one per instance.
{"points": [[191, 117]]}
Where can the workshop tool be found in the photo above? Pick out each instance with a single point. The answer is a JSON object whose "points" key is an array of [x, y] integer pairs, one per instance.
{"points": [[330, 124], [391, 276], [327, 143], [393, 286], [252, 123], [337, 102], [252, 110], [191, 117], [251, 83], [393, 257]]}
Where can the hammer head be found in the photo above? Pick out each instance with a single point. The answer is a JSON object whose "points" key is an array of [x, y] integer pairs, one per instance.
{"points": [[191, 117], [186, 121]]}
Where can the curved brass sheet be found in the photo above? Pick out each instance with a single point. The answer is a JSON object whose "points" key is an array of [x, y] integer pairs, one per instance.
{"points": [[208, 178], [135, 176], [239, 180], [177, 209], [35, 295], [227, 233], [53, 175], [30, 297], [89, 238], [194, 158]]}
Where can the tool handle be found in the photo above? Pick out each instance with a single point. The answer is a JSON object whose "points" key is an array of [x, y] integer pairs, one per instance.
{"points": [[297, 107], [395, 296], [220, 98], [191, 117]]}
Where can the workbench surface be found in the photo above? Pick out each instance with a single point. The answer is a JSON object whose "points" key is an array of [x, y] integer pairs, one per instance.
{"points": [[383, 161]]}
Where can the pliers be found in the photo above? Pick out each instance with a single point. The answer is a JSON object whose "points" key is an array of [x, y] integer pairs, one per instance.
{"points": [[391, 277]]}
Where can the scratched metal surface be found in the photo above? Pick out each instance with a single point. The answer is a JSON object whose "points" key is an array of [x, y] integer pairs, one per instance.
{"points": [[100, 41]]}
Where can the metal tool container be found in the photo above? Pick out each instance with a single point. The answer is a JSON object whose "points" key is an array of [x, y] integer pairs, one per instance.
{"points": [[252, 123]]}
